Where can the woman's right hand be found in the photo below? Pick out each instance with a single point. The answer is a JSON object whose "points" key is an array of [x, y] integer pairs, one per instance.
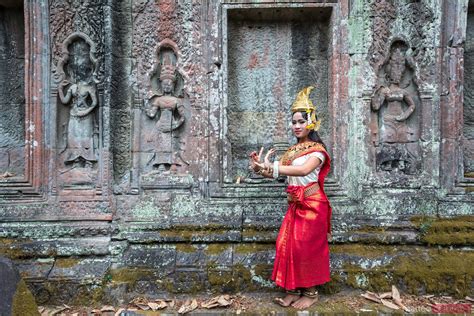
{"points": [[255, 159]]}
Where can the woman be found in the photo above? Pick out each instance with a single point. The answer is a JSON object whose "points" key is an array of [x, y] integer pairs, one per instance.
{"points": [[302, 251]]}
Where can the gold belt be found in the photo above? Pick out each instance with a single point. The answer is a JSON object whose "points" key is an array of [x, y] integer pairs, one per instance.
{"points": [[312, 189]]}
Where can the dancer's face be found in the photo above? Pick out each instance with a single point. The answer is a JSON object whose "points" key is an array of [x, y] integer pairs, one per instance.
{"points": [[298, 125]]}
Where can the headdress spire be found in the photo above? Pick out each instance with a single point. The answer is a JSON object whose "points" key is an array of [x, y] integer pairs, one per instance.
{"points": [[304, 104]]}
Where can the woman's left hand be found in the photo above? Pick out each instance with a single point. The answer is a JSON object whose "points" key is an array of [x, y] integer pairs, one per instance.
{"points": [[266, 160]]}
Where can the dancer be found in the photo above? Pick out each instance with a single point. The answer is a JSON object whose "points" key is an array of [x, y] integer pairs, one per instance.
{"points": [[302, 251]]}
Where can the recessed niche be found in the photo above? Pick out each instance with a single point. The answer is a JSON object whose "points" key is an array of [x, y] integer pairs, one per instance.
{"points": [[272, 54], [468, 127], [12, 97]]}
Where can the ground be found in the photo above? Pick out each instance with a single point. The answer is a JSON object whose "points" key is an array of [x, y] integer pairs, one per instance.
{"points": [[345, 302]]}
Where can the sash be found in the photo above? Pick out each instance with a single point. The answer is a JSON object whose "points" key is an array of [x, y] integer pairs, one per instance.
{"points": [[305, 148]]}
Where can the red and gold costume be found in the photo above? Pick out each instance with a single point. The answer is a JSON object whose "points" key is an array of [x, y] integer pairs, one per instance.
{"points": [[302, 251]]}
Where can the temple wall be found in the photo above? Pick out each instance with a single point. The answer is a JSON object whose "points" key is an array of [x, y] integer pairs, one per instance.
{"points": [[123, 145]]}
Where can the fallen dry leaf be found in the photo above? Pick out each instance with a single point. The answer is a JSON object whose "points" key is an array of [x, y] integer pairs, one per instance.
{"points": [[395, 293], [120, 310], [386, 295], [107, 308], [218, 301], [210, 304], [470, 299], [141, 303], [96, 311], [188, 306], [143, 307], [157, 304], [224, 300], [371, 296], [389, 304], [139, 300], [171, 303], [44, 312], [397, 299], [56, 311]]}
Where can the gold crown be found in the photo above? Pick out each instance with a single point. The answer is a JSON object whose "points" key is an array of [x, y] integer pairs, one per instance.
{"points": [[303, 104]]}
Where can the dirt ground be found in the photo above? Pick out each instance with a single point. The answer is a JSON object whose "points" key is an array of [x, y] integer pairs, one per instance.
{"points": [[346, 302]]}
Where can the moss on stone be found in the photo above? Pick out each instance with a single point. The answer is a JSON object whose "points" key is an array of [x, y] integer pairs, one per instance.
{"points": [[436, 271], [129, 276], [215, 249], [446, 231], [369, 229], [9, 248], [219, 277], [252, 248], [90, 296], [420, 271], [242, 277], [23, 301], [65, 263], [377, 280], [254, 233], [187, 248], [333, 286], [188, 233], [366, 251]]}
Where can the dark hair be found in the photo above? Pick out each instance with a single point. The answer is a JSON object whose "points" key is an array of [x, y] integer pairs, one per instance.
{"points": [[313, 135]]}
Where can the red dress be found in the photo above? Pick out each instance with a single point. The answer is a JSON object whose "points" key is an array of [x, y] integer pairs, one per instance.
{"points": [[302, 250]]}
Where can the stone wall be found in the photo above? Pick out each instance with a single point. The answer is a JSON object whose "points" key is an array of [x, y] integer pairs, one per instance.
{"points": [[137, 116]]}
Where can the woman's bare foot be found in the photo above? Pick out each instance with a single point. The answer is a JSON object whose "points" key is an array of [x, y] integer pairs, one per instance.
{"points": [[304, 302], [287, 300]]}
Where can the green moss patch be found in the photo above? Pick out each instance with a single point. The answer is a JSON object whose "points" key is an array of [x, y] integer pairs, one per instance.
{"points": [[190, 233], [252, 248], [215, 249], [11, 248], [446, 231], [366, 251], [65, 263], [129, 276], [23, 301], [419, 271]]}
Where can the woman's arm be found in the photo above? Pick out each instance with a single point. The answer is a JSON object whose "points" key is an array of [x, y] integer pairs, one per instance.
{"points": [[300, 171], [266, 169]]}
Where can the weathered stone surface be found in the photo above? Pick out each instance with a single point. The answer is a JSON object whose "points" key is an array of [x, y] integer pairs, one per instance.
{"points": [[124, 141], [83, 270], [16, 297]]}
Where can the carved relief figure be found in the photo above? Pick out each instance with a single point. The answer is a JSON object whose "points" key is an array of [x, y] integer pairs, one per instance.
{"points": [[395, 103], [78, 121], [166, 110]]}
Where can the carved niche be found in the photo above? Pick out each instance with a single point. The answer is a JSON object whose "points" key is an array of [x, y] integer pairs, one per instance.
{"points": [[12, 87], [468, 108], [78, 114], [163, 118], [395, 114]]}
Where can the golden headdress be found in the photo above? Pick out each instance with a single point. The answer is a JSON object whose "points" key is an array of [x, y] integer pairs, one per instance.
{"points": [[303, 104]]}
